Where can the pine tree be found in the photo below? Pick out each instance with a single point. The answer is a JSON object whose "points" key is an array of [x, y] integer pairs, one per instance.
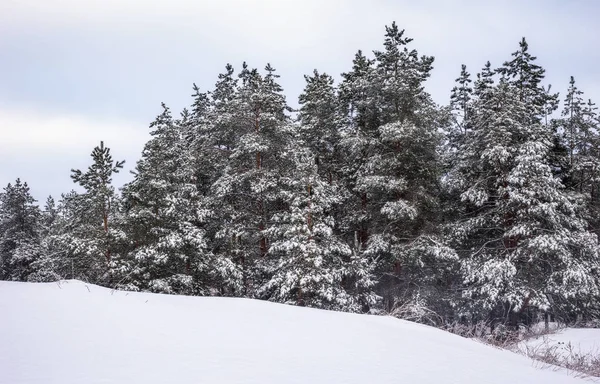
{"points": [[576, 153], [314, 267], [577, 128], [460, 102], [526, 76], [19, 232], [358, 106], [214, 124], [457, 153], [159, 261], [62, 257], [92, 234], [165, 216], [319, 122], [400, 75], [513, 208], [394, 165], [51, 263], [246, 193], [485, 81], [523, 240], [359, 114]]}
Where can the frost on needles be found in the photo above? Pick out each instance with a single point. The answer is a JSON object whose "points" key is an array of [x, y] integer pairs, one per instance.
{"points": [[368, 198]]}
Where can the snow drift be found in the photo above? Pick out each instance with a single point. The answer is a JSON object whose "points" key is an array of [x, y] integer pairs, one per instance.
{"points": [[77, 333]]}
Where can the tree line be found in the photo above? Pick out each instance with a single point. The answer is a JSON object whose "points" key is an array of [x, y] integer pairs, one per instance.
{"points": [[369, 197]]}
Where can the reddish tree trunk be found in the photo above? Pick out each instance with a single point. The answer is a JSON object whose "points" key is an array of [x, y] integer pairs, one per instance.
{"points": [[105, 222], [309, 214], [364, 233], [262, 244]]}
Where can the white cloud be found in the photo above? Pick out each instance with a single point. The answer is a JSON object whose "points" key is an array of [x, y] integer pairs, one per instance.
{"points": [[135, 53], [41, 148], [38, 133], [251, 17]]}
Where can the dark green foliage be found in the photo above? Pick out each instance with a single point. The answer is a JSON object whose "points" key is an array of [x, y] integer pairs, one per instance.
{"points": [[20, 231], [371, 198], [92, 230]]}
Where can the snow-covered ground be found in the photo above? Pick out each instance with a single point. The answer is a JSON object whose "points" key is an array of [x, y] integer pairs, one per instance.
{"points": [[78, 333], [567, 342]]}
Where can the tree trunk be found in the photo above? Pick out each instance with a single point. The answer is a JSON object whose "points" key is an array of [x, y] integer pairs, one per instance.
{"points": [[262, 244], [105, 220], [364, 232], [308, 214]]}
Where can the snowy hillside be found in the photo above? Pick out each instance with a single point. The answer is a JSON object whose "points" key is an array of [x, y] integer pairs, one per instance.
{"points": [[77, 333]]}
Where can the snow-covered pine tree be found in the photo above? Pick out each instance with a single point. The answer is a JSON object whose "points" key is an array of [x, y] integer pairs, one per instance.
{"points": [[359, 111], [400, 76], [213, 133], [485, 80], [314, 266], [459, 153], [393, 169], [61, 254], [91, 234], [319, 121], [203, 152], [52, 263], [246, 194], [521, 239], [158, 262], [460, 103], [49, 214], [526, 76], [164, 217], [578, 157], [224, 116], [578, 135], [358, 107], [20, 227]]}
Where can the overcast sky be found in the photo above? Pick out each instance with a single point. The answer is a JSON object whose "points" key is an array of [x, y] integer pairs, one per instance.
{"points": [[74, 72]]}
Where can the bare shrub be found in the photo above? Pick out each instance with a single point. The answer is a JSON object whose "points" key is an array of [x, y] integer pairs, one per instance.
{"points": [[498, 335], [478, 330], [416, 310], [567, 356]]}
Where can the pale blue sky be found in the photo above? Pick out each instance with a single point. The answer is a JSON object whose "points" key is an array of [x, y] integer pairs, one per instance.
{"points": [[74, 72]]}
